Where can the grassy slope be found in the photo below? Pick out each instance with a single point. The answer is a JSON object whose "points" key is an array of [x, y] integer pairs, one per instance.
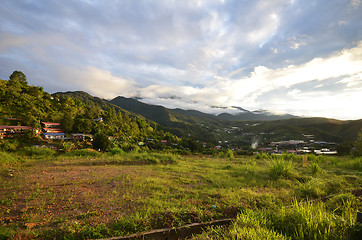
{"points": [[100, 195]]}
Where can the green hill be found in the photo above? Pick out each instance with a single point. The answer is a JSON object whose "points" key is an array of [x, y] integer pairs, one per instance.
{"points": [[180, 122], [228, 131], [77, 112]]}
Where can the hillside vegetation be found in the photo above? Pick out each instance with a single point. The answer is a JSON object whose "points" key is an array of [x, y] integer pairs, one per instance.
{"points": [[22, 104], [236, 133]]}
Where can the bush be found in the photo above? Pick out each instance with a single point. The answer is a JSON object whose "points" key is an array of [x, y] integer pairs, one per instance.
{"points": [[101, 142], [289, 156], [351, 163], [314, 167], [7, 162], [9, 146], [116, 151], [262, 156], [153, 158], [82, 153], [38, 151], [311, 189], [230, 153], [311, 157], [6, 158], [280, 168]]}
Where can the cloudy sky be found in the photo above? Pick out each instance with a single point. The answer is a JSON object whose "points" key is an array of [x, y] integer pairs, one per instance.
{"points": [[287, 56]]}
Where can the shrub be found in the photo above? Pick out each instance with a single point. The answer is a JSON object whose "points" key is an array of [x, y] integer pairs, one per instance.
{"points": [[230, 153], [6, 232], [116, 151], [280, 168], [153, 158], [288, 156], [311, 189], [6, 157], [7, 161], [311, 157], [37, 151], [314, 167], [351, 163], [101, 142], [82, 153], [9, 146], [67, 146]]}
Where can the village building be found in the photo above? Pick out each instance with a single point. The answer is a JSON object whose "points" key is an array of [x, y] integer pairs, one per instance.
{"points": [[50, 125], [82, 136], [9, 131], [54, 136], [52, 131]]}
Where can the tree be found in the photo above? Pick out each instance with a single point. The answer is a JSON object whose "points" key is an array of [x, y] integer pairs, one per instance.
{"points": [[344, 148], [18, 76], [67, 122], [101, 142], [82, 125], [358, 145]]}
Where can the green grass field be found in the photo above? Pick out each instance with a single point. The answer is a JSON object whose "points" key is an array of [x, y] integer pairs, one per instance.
{"points": [[87, 194]]}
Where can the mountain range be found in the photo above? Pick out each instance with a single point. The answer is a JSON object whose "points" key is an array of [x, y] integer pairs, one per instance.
{"points": [[135, 105], [241, 128]]}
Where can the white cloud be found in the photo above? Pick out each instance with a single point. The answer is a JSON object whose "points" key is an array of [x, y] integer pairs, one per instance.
{"points": [[353, 81], [249, 90], [97, 82], [191, 54], [295, 42], [355, 3]]}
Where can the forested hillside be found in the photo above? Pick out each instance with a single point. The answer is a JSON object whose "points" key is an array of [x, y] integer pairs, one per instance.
{"points": [[180, 122], [22, 104], [230, 132]]}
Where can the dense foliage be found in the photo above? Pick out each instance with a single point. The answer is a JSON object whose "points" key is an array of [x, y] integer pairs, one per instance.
{"points": [[22, 104]]}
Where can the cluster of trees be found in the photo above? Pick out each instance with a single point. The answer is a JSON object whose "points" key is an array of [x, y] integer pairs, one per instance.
{"points": [[31, 105]]}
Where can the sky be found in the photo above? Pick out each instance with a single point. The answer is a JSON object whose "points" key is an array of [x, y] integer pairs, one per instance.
{"points": [[285, 56]]}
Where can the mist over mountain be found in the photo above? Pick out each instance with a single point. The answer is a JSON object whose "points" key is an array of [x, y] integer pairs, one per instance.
{"points": [[229, 130], [160, 113]]}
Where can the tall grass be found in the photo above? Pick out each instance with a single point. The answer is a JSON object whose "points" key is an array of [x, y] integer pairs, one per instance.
{"points": [[7, 161], [302, 221], [253, 225], [153, 158], [312, 221], [280, 168], [314, 168], [351, 163], [311, 189], [82, 153], [36, 151]]}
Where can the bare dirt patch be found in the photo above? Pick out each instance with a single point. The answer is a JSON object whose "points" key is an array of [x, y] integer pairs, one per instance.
{"points": [[43, 196]]}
